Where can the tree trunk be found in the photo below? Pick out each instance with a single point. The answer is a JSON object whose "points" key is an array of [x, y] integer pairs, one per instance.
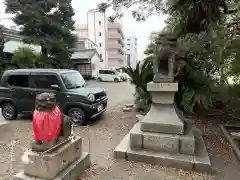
{"points": [[1, 42], [44, 51]]}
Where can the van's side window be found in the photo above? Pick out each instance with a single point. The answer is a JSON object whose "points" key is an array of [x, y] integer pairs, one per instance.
{"points": [[101, 71], [111, 72], [19, 80], [44, 81], [106, 72]]}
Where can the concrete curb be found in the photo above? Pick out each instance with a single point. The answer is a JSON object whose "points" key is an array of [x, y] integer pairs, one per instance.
{"points": [[231, 141]]}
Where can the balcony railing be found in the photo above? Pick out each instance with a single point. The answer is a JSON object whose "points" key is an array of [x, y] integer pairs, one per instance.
{"points": [[116, 56], [117, 26], [116, 36], [115, 46]]}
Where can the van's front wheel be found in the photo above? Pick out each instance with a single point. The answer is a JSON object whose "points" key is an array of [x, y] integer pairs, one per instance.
{"points": [[78, 116], [116, 80]]}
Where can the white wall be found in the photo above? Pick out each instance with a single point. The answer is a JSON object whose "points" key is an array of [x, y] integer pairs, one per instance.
{"points": [[96, 65], [11, 46], [89, 44], [114, 63], [82, 32], [131, 48], [97, 32]]}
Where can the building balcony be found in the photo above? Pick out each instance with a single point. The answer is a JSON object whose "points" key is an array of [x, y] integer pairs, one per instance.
{"points": [[116, 36], [116, 57], [117, 27], [115, 46]]}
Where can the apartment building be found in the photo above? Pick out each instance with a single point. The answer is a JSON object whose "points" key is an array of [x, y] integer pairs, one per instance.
{"points": [[131, 51], [108, 36]]}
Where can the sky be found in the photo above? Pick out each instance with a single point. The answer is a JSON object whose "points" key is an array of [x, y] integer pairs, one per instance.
{"points": [[141, 30]]}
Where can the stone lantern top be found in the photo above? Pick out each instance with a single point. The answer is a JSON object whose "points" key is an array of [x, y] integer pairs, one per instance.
{"points": [[165, 58]]}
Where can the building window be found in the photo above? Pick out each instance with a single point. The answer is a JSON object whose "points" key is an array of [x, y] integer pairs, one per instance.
{"points": [[128, 49], [100, 44], [99, 22], [81, 45], [128, 39], [128, 60], [99, 33], [101, 60], [128, 44]]}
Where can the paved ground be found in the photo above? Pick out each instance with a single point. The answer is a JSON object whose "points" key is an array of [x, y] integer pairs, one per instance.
{"points": [[100, 139], [117, 92]]}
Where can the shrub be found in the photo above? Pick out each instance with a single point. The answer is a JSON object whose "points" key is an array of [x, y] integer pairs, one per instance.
{"points": [[140, 76]]}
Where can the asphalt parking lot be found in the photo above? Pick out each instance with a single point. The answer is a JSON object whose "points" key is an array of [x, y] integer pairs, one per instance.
{"points": [[117, 93]]}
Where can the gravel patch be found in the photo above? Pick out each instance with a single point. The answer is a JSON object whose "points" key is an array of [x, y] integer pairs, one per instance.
{"points": [[100, 139]]}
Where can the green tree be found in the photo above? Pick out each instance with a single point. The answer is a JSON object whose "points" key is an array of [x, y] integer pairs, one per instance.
{"points": [[47, 23], [25, 57], [207, 52], [193, 16]]}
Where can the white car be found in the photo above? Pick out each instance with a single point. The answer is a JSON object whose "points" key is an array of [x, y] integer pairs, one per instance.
{"points": [[124, 76], [108, 75]]}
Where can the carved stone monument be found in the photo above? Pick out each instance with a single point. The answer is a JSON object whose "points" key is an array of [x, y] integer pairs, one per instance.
{"points": [[55, 152], [163, 137]]}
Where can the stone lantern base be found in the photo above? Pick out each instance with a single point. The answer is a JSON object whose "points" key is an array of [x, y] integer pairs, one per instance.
{"points": [[162, 137]]}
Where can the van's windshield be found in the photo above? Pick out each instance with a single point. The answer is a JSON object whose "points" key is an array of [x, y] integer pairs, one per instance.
{"points": [[73, 80]]}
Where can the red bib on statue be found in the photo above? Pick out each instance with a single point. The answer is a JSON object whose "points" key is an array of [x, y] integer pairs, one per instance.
{"points": [[47, 125]]}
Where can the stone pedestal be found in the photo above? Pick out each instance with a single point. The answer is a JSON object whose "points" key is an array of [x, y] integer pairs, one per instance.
{"points": [[162, 137], [66, 162]]}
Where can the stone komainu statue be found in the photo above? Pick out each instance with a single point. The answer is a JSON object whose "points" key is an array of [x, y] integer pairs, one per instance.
{"points": [[50, 125], [165, 58]]}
